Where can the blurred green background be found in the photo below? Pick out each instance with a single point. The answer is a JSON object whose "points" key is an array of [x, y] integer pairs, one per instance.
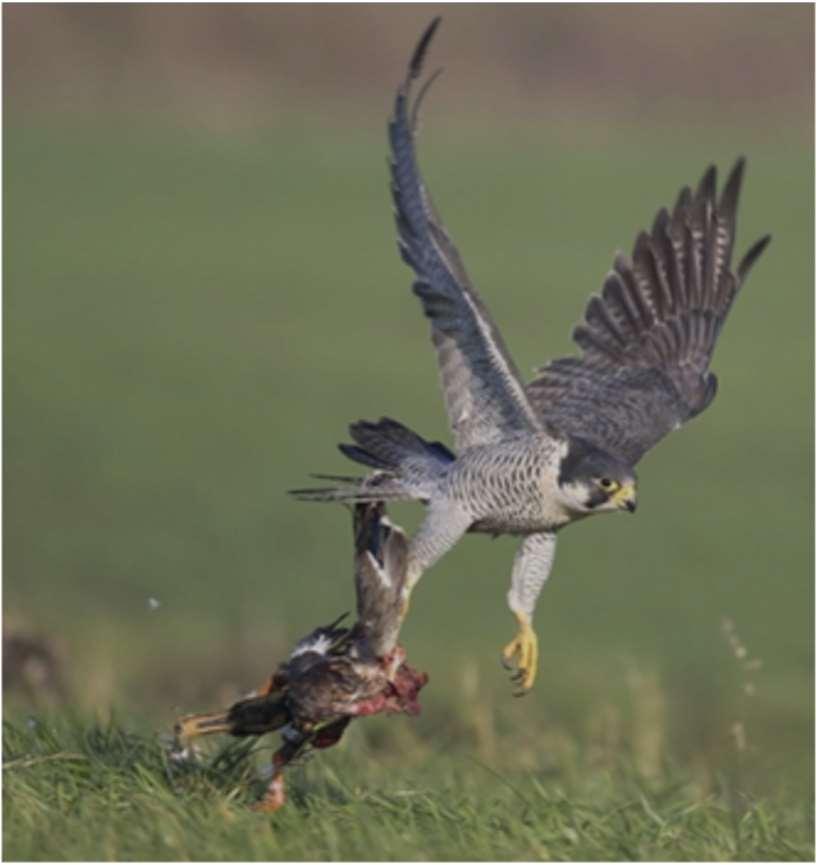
{"points": [[202, 290]]}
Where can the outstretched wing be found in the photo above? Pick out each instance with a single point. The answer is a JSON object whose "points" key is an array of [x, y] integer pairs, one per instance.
{"points": [[484, 394], [647, 340]]}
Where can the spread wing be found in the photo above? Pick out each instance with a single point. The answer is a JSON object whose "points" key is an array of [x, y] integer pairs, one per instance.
{"points": [[484, 394], [647, 340]]}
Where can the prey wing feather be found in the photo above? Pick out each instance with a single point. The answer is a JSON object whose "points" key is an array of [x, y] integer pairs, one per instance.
{"points": [[482, 389], [648, 338], [381, 559]]}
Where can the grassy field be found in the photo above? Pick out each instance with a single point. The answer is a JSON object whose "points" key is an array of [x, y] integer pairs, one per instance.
{"points": [[105, 791], [191, 320]]}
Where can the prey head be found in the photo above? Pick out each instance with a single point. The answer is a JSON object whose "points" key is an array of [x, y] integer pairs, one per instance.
{"points": [[593, 481]]}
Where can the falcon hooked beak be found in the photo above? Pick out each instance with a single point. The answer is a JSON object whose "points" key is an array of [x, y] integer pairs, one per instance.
{"points": [[625, 497]]}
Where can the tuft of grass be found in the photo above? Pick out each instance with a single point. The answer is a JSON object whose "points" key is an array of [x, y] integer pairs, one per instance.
{"points": [[75, 790]]}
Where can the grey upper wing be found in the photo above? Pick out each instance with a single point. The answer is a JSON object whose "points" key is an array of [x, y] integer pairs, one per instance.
{"points": [[647, 340], [484, 394]]}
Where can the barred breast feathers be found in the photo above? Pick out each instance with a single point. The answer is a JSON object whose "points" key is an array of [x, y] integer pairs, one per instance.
{"points": [[510, 486]]}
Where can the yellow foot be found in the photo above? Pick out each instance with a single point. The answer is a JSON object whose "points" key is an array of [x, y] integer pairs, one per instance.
{"points": [[522, 652]]}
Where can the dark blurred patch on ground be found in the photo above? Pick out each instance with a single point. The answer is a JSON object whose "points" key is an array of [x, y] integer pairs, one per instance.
{"points": [[33, 667]]}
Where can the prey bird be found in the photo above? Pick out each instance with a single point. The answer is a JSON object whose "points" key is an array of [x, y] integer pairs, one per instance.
{"points": [[335, 673], [532, 458]]}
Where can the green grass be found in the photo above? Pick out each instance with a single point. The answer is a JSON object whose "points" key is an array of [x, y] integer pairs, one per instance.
{"points": [[191, 320], [72, 790]]}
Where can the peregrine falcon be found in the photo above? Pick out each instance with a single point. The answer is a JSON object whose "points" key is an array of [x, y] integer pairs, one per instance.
{"points": [[530, 459]]}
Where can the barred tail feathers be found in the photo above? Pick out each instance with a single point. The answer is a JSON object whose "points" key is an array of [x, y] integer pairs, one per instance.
{"points": [[388, 444], [378, 487], [407, 467]]}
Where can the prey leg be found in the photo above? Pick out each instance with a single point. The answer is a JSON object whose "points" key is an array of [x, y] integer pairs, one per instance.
{"points": [[275, 795], [331, 734], [532, 565], [191, 726]]}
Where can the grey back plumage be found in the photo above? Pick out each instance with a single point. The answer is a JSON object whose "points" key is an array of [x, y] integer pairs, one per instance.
{"points": [[484, 394], [648, 338]]}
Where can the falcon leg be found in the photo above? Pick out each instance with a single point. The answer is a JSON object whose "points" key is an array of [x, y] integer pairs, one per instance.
{"points": [[522, 652], [532, 565], [444, 525]]}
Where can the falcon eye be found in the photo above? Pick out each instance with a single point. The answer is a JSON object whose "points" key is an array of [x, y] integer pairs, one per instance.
{"points": [[607, 484]]}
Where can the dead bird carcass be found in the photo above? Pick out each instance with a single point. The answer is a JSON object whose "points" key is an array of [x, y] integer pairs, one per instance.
{"points": [[335, 673]]}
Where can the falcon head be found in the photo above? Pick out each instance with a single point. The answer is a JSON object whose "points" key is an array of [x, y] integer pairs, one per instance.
{"points": [[593, 481]]}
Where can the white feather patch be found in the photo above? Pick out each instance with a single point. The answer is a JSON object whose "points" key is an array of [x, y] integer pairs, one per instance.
{"points": [[383, 576]]}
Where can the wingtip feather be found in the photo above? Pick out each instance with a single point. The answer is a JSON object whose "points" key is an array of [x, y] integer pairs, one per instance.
{"points": [[706, 190], [728, 203], [416, 63], [751, 256]]}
